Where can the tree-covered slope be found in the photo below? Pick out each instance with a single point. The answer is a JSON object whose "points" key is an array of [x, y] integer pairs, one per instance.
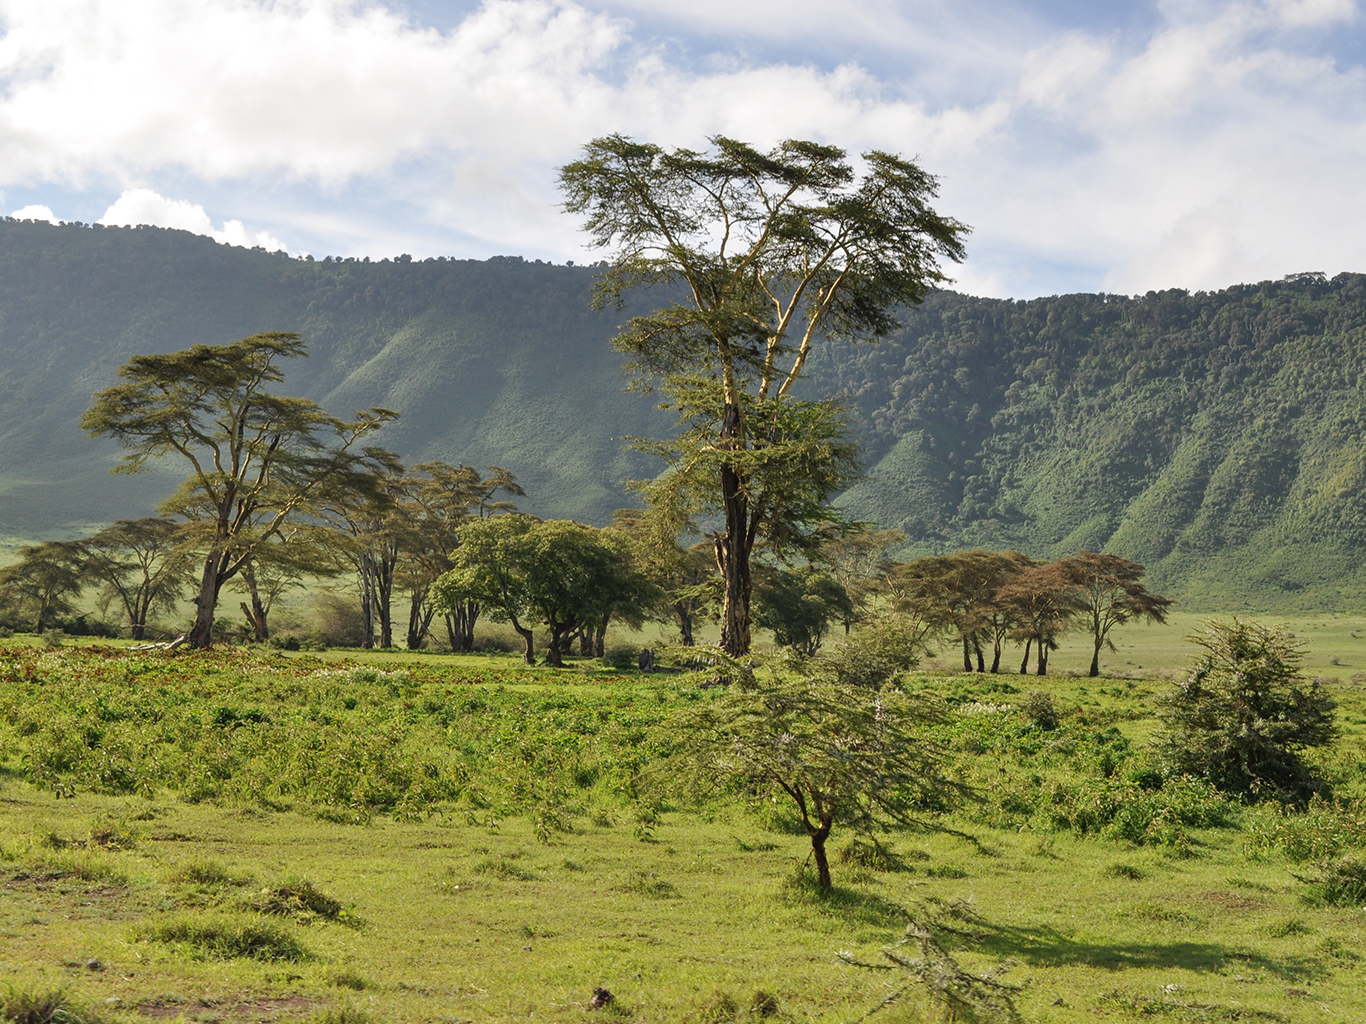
{"points": [[1218, 437], [488, 362]]}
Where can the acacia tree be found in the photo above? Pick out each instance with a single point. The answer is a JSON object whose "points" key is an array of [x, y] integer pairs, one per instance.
{"points": [[858, 561], [844, 755], [439, 502], [1109, 591], [1043, 601], [46, 580], [774, 251], [256, 459], [561, 574], [143, 563], [959, 591], [685, 577], [798, 606]]}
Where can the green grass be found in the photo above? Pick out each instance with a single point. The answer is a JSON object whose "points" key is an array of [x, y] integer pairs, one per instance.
{"points": [[517, 892]]}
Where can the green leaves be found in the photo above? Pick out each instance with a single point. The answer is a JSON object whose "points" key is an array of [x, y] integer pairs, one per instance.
{"points": [[1241, 721]]}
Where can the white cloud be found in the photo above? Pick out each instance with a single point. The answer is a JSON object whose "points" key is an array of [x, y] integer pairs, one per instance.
{"points": [[36, 211], [143, 206], [1220, 144]]}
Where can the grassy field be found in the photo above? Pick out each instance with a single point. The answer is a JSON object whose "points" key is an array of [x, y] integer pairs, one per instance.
{"points": [[246, 837]]}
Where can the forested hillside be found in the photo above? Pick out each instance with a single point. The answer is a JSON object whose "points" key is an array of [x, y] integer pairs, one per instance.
{"points": [[1216, 436]]}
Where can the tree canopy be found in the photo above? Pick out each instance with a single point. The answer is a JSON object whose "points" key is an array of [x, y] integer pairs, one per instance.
{"points": [[774, 251], [255, 458]]}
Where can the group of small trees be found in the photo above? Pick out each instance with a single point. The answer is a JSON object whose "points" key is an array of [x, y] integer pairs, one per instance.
{"points": [[988, 597]]}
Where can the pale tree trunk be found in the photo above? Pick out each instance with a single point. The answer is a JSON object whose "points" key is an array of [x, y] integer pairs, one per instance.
{"points": [[733, 550], [367, 600], [530, 655], [201, 633], [256, 611]]}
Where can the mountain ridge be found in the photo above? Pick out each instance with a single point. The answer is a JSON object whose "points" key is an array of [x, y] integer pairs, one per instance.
{"points": [[1216, 436]]}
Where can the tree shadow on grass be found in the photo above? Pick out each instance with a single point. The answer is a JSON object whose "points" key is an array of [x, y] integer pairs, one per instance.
{"points": [[1044, 946], [845, 902]]}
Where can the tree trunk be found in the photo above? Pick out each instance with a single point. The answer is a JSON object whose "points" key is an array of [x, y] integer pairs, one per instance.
{"points": [[1095, 661], [996, 656], [967, 654], [1024, 664], [977, 649], [733, 549], [256, 613], [818, 839], [201, 633], [529, 657], [138, 618], [600, 636], [1041, 668], [684, 625], [554, 654], [384, 594], [585, 641], [367, 600]]}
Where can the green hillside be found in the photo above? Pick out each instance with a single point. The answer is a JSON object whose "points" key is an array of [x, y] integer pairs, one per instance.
{"points": [[488, 362], [1218, 437]]}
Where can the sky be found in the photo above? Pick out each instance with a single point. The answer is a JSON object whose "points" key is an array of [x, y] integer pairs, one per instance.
{"points": [[1092, 145]]}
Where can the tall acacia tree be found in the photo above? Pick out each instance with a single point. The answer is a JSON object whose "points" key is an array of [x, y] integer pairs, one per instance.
{"points": [[774, 251], [256, 459]]}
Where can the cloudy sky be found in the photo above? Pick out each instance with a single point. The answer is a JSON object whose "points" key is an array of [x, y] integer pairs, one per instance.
{"points": [[1116, 145]]}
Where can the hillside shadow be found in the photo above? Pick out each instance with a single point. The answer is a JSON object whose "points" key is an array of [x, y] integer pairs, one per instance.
{"points": [[1044, 946]]}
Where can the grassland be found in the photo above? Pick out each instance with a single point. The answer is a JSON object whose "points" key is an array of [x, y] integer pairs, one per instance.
{"points": [[249, 837]]}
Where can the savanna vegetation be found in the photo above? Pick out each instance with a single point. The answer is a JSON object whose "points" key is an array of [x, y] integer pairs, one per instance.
{"points": [[247, 833], [226, 826]]}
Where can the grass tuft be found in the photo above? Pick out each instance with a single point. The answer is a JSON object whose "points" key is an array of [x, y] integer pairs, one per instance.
{"points": [[20, 1006], [222, 938]]}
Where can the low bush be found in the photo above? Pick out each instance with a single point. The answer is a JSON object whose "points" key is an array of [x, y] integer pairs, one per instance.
{"points": [[24, 1006], [223, 938], [1340, 883]]}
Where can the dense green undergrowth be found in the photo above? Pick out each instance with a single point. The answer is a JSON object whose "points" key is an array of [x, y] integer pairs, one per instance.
{"points": [[249, 835]]}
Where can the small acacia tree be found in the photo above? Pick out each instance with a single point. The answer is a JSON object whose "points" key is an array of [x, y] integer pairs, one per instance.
{"points": [[143, 564], [561, 574], [1043, 602], [798, 605], [257, 460], [843, 755], [1241, 720], [45, 581], [773, 251], [1110, 593]]}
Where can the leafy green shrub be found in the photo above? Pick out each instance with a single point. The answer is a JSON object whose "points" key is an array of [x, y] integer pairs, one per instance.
{"points": [[299, 899], [221, 938], [20, 1006], [1322, 830], [1038, 708], [1240, 721], [1340, 883], [621, 656], [875, 654]]}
